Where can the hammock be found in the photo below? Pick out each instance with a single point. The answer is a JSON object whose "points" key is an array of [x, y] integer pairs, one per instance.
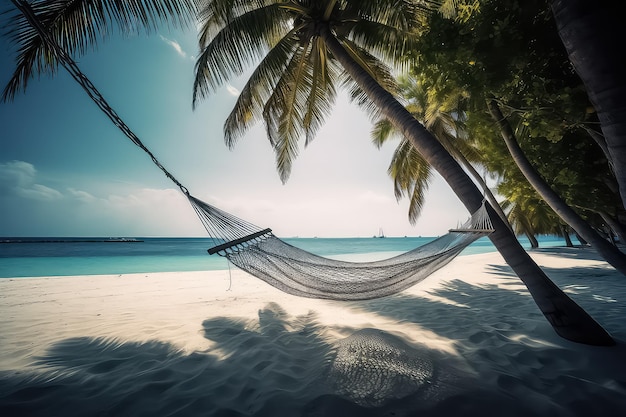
{"points": [[257, 251], [298, 272]]}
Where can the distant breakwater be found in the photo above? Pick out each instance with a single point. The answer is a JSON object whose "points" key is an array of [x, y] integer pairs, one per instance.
{"points": [[112, 240]]}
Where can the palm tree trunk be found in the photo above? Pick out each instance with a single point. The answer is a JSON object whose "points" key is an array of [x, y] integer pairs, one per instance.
{"points": [[614, 225], [488, 194], [580, 239], [533, 240], [565, 232], [609, 252], [590, 33], [567, 318], [599, 139]]}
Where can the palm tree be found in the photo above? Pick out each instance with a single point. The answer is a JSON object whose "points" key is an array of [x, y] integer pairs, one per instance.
{"points": [[307, 48], [521, 221], [443, 119], [608, 251], [531, 216], [589, 33]]}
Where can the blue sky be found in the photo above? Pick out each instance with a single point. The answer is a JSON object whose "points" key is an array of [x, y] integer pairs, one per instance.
{"points": [[65, 170]]}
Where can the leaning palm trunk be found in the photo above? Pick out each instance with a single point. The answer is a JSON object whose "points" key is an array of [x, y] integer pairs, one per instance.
{"points": [[599, 139], [567, 318], [533, 240], [565, 233], [614, 225], [590, 32], [609, 252], [488, 194]]}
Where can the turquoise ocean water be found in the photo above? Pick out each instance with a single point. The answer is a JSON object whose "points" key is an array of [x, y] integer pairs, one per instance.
{"points": [[49, 256]]}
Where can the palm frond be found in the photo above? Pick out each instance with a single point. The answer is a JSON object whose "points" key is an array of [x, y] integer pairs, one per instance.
{"points": [[227, 50], [280, 120], [291, 126], [259, 88], [397, 13], [382, 131], [377, 69], [318, 105], [411, 176], [447, 8], [78, 25], [390, 44], [295, 109]]}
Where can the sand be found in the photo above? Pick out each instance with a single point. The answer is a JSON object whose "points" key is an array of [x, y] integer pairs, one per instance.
{"points": [[468, 341]]}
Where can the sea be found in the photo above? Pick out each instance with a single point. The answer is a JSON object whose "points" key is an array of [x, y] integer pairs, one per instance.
{"points": [[67, 256]]}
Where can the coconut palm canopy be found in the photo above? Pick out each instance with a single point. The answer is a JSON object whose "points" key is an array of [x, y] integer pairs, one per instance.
{"points": [[293, 87]]}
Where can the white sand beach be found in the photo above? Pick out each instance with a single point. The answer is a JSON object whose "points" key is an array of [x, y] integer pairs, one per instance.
{"points": [[468, 341]]}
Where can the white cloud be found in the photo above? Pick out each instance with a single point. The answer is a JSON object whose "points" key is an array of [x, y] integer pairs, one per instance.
{"points": [[40, 192], [148, 212], [232, 90], [18, 178], [16, 174], [82, 196], [175, 45], [137, 212]]}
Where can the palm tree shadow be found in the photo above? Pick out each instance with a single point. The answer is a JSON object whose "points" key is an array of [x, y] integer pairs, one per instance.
{"points": [[500, 332], [256, 367], [94, 376], [596, 288], [370, 373], [276, 358]]}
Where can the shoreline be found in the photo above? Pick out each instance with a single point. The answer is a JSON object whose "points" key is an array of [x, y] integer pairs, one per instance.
{"points": [[184, 343], [214, 265], [588, 253], [177, 255]]}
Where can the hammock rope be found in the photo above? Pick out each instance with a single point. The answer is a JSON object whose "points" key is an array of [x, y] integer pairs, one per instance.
{"points": [[93, 93], [259, 252]]}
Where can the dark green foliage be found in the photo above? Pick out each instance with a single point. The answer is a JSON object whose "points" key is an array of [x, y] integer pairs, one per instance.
{"points": [[510, 50]]}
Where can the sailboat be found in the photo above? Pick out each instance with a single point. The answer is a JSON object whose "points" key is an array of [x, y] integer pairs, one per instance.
{"points": [[381, 234]]}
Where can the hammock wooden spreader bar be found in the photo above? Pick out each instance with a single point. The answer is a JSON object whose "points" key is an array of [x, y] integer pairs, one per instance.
{"points": [[240, 243]]}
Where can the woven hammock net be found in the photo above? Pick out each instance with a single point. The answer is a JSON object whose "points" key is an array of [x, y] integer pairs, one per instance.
{"points": [[259, 252], [298, 272]]}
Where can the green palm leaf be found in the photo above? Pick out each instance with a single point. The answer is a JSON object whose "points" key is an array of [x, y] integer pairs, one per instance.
{"points": [[411, 175], [258, 89], [230, 42], [78, 25]]}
